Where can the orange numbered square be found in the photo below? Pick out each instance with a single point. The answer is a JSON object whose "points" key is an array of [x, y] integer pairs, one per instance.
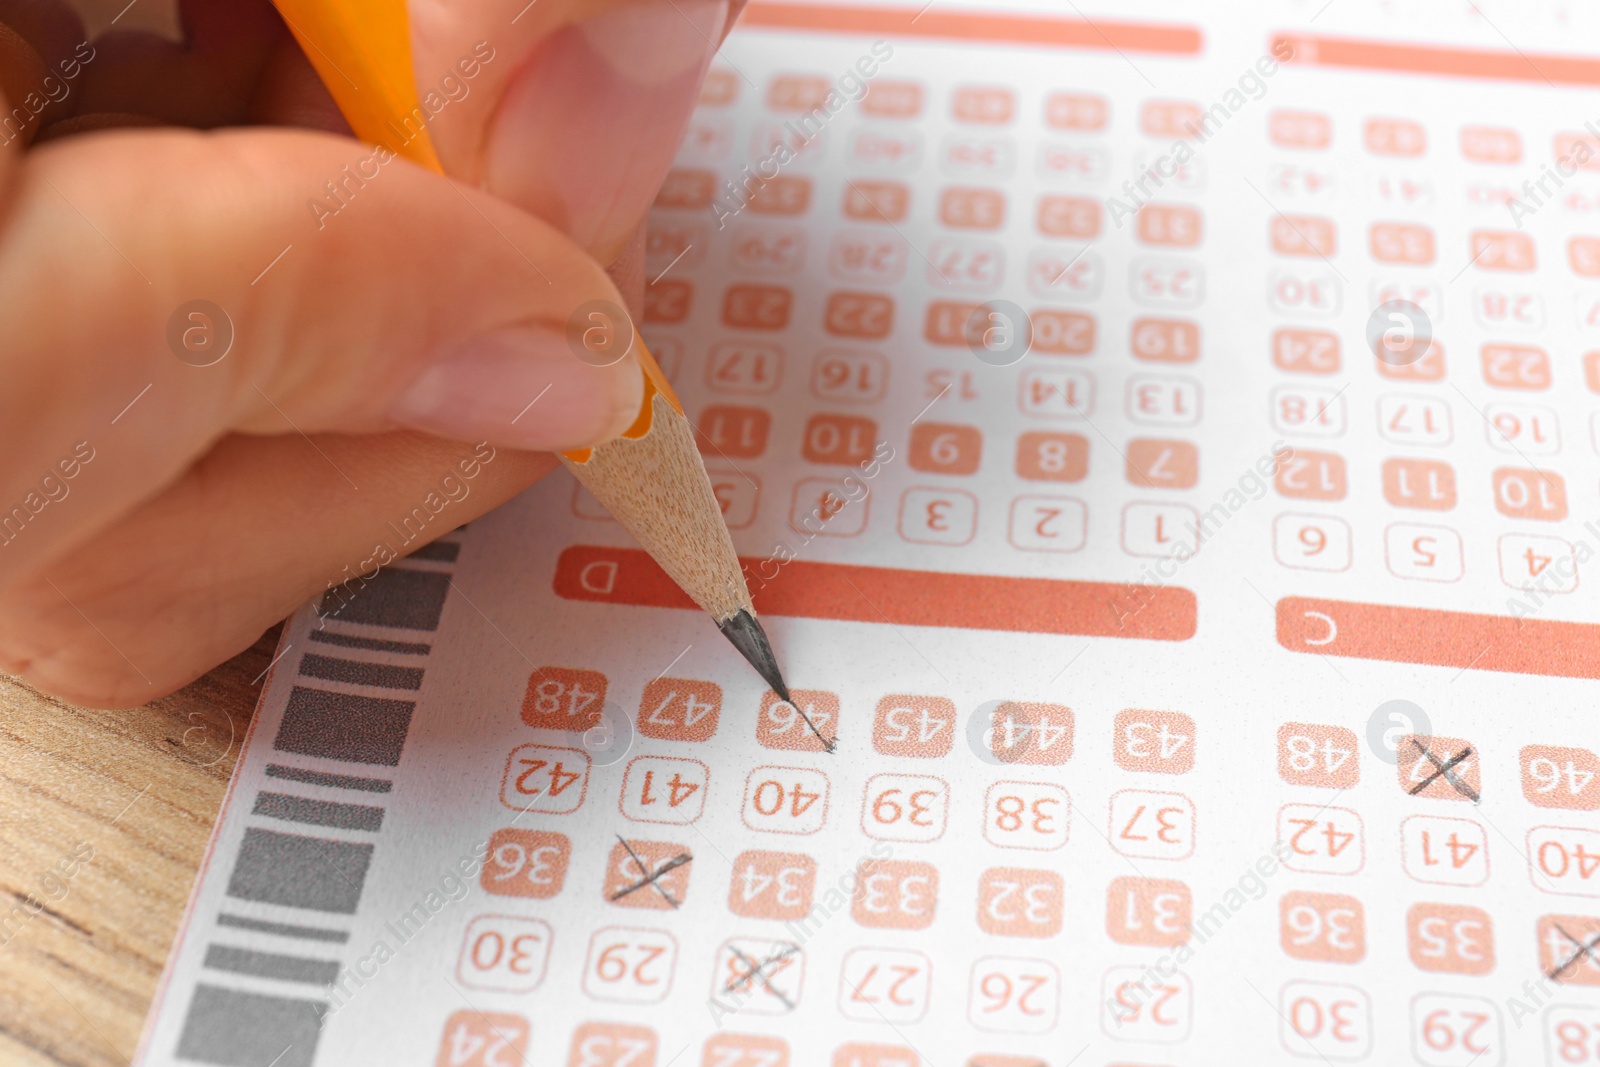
{"points": [[612, 1045], [1069, 216], [474, 1038], [1452, 938], [1170, 118], [525, 863], [1395, 137], [1049, 456], [1556, 777], [892, 100], [900, 894], [945, 448], [564, 698], [1162, 464], [772, 885], [1300, 129], [986, 105], [668, 303], [1303, 235], [1439, 768], [680, 709], [1024, 732], [1530, 494], [857, 1054], [1583, 254], [1148, 911], [647, 874], [720, 88], [756, 307], [745, 1050], [1491, 144], [1430, 368], [1502, 250], [1569, 948], [1159, 741], [1310, 475], [797, 92], [1076, 111], [865, 315], [1327, 927], [963, 208], [689, 190], [734, 432], [1165, 340], [1318, 755], [1427, 484], [1177, 225], [807, 722], [1062, 333], [1019, 902], [921, 727], [783, 195], [870, 201], [1401, 242], [1516, 367], [841, 439], [1305, 351]]}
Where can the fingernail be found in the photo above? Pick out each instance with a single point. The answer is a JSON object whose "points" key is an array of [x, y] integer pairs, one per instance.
{"points": [[521, 388], [589, 125]]}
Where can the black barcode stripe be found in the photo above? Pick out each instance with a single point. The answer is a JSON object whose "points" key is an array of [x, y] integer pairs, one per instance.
{"points": [[343, 726], [335, 781], [401, 599], [272, 965], [238, 1029], [406, 648], [291, 808], [360, 672], [298, 871], [261, 926]]}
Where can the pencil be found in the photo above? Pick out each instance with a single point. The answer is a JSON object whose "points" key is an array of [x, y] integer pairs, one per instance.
{"points": [[652, 478]]}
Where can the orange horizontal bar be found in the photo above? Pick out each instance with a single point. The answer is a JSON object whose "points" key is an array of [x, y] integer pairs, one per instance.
{"points": [[976, 27], [1439, 638], [1313, 50], [848, 593]]}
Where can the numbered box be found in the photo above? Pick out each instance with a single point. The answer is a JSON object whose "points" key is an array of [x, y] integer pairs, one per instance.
{"points": [[1157, 340], [1523, 429], [758, 976], [1154, 463], [1530, 494], [1325, 1020], [1326, 927], [966, 264], [1163, 401], [1516, 367], [905, 807], [687, 189], [1401, 242], [1506, 250], [1557, 777], [1414, 420], [986, 105], [1160, 530], [846, 440], [1305, 291], [1052, 456], [1545, 564], [1148, 911], [1423, 553], [1152, 825], [1048, 523], [545, 779], [767, 248], [1076, 217], [868, 316], [1501, 309], [630, 965], [1087, 112], [1450, 938], [885, 985], [564, 698], [1569, 948], [1444, 851], [1429, 368], [1024, 732], [647, 874], [749, 368], [830, 507], [1063, 333], [1438, 768], [1067, 163], [938, 516], [785, 800], [1028, 815], [788, 724], [1423, 484], [1304, 351], [1160, 742], [920, 727], [1564, 859], [474, 1038], [965, 208], [525, 863], [668, 303], [1303, 235], [1009, 995], [745, 1050], [945, 448], [757, 307], [1167, 282], [1065, 273], [504, 953], [859, 1054], [849, 375], [895, 894], [785, 195], [680, 709], [1318, 755], [612, 1045], [1452, 1030], [1322, 839], [1174, 225], [1140, 1005], [772, 885], [737, 495], [1571, 1035], [734, 432], [1288, 128], [1020, 902], [867, 258], [866, 200], [1056, 394], [966, 157], [1305, 474], [1311, 542], [885, 148], [664, 789]]}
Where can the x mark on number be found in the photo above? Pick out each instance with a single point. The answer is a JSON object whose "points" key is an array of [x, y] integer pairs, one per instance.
{"points": [[650, 879], [1444, 769]]}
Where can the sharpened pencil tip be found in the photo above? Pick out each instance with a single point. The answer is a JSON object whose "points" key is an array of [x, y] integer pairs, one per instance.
{"points": [[751, 641]]}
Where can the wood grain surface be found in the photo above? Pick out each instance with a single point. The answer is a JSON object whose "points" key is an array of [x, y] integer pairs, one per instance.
{"points": [[104, 816]]}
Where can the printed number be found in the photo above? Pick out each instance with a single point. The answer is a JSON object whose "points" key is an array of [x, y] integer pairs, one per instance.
{"points": [[899, 894], [525, 863], [1316, 755], [1153, 825], [917, 726], [1440, 768], [505, 953], [1523, 429], [1328, 927], [1572, 1036], [612, 1045], [758, 976], [1030, 815], [1148, 911], [1566, 944], [866, 315], [664, 789], [680, 709], [905, 807], [1322, 839], [647, 874], [1162, 742], [744, 368], [1019, 902], [1309, 412], [1321, 1020], [1056, 394], [772, 885], [842, 374], [1445, 851], [1028, 733], [630, 964], [561, 698], [787, 724], [745, 1050], [1556, 777], [1565, 859], [1311, 542], [474, 1038], [545, 779], [1451, 1030], [1014, 996], [885, 985], [1453, 938], [786, 800], [1142, 1006]]}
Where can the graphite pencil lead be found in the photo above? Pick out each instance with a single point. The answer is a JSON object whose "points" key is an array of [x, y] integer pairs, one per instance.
{"points": [[750, 639]]}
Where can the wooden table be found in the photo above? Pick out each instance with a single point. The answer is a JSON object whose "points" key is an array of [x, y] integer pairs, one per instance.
{"points": [[82, 944]]}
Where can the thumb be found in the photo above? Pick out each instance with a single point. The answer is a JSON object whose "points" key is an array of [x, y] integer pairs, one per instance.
{"points": [[160, 289]]}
